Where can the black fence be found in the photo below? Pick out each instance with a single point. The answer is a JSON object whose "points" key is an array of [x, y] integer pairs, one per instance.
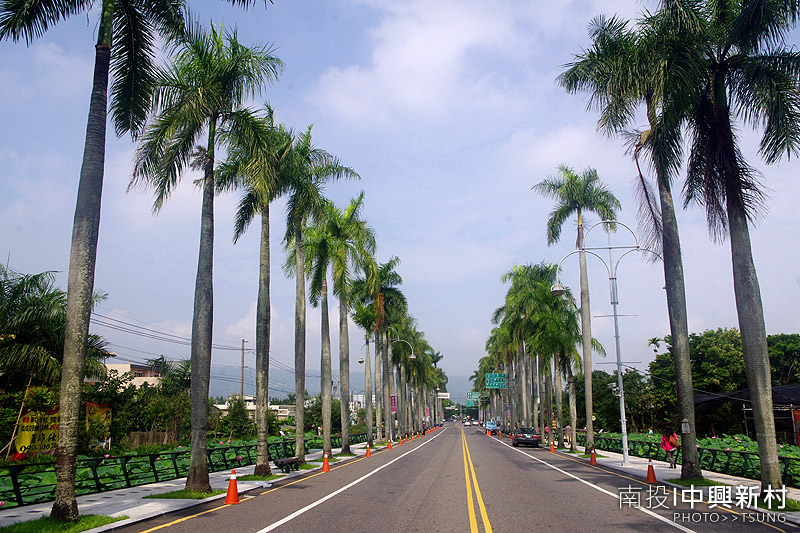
{"points": [[29, 483], [733, 462]]}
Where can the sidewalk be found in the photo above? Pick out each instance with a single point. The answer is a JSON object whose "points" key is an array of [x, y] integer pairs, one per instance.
{"points": [[637, 467], [132, 503]]}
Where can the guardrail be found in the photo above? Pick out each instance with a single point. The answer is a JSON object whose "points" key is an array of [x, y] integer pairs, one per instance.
{"points": [[733, 462], [30, 483]]}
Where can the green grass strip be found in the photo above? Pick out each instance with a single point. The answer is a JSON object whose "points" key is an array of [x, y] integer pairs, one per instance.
{"points": [[344, 454], [308, 466], [185, 494], [46, 524], [697, 482], [253, 477]]}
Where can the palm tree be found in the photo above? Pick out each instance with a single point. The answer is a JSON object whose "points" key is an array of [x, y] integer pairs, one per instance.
{"points": [[620, 73], [353, 250], [392, 307], [364, 316], [337, 240], [576, 194], [203, 90], [745, 71], [33, 322], [132, 26], [261, 174], [308, 170]]}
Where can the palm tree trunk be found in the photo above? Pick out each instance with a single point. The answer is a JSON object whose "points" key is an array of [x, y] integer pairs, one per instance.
{"points": [[586, 337], [559, 399], [401, 398], [344, 375], [368, 389], [326, 376], [202, 328], [385, 373], [679, 330], [754, 341], [548, 383], [262, 350], [543, 394], [80, 284], [378, 387], [535, 380], [299, 345], [573, 411]]}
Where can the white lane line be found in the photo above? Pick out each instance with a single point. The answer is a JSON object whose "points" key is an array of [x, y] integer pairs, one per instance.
{"points": [[604, 491], [339, 491]]}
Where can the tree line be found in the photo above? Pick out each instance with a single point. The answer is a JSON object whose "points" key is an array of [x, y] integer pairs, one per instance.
{"points": [[190, 114]]}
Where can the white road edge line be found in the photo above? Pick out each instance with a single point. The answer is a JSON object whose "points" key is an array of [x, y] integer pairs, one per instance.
{"points": [[616, 496], [339, 491]]}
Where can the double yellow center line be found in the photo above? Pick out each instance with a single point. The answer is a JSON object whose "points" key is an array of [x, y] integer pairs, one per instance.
{"points": [[470, 469]]}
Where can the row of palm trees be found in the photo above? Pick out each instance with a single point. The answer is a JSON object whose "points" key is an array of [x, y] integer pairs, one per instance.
{"points": [[534, 343], [200, 97], [696, 67]]}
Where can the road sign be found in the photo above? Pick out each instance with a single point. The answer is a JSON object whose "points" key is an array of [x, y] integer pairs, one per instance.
{"points": [[470, 403], [473, 396], [495, 381], [444, 396], [393, 403]]}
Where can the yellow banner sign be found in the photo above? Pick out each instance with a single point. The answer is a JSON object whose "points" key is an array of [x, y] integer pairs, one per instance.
{"points": [[37, 432]]}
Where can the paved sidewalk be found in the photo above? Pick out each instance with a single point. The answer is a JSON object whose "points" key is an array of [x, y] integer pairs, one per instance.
{"points": [[132, 503], [637, 467]]}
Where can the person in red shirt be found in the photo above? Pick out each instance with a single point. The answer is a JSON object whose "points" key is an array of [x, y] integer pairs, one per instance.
{"points": [[669, 442]]}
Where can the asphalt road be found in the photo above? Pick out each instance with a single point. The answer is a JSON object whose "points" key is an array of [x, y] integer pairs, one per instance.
{"points": [[458, 480]]}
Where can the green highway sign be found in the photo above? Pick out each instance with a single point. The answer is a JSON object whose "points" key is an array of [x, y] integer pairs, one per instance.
{"points": [[495, 381], [472, 395], [470, 403]]}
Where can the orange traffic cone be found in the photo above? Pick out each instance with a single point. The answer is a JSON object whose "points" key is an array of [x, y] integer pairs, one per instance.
{"points": [[399, 441], [593, 459], [390, 443], [489, 433], [233, 492], [499, 433], [326, 467], [552, 446], [651, 474], [368, 452]]}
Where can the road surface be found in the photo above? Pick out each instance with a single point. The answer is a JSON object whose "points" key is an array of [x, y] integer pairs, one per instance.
{"points": [[458, 479]]}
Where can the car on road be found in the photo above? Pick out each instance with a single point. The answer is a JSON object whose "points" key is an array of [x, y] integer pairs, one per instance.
{"points": [[527, 436], [491, 427]]}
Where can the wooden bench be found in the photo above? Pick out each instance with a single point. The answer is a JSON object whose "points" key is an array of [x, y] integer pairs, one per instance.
{"points": [[287, 464]]}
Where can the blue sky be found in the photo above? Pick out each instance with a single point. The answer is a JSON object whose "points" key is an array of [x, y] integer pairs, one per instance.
{"points": [[450, 114]]}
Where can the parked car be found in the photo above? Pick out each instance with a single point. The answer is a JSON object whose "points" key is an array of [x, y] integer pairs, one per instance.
{"points": [[527, 436], [491, 427]]}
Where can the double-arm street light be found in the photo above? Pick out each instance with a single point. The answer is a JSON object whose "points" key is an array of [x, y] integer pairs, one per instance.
{"points": [[611, 268]]}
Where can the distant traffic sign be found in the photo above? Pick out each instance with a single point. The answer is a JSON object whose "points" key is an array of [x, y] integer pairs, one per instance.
{"points": [[473, 396], [495, 381], [470, 403]]}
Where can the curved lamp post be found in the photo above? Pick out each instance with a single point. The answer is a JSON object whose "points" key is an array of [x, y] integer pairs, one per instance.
{"points": [[611, 267]]}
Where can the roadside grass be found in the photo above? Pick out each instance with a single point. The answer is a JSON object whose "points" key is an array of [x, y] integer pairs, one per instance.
{"points": [[345, 454], [588, 455], [697, 482], [790, 505], [307, 466], [319, 460], [253, 477], [185, 494], [378, 443], [46, 524]]}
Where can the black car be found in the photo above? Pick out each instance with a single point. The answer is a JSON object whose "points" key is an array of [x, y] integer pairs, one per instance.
{"points": [[525, 436]]}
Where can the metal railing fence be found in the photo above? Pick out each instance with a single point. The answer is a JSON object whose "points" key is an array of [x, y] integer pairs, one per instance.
{"points": [[30, 483]]}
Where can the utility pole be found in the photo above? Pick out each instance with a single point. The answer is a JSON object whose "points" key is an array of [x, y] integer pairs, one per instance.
{"points": [[241, 384]]}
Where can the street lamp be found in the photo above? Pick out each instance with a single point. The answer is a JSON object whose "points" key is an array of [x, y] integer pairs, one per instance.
{"points": [[611, 268]]}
